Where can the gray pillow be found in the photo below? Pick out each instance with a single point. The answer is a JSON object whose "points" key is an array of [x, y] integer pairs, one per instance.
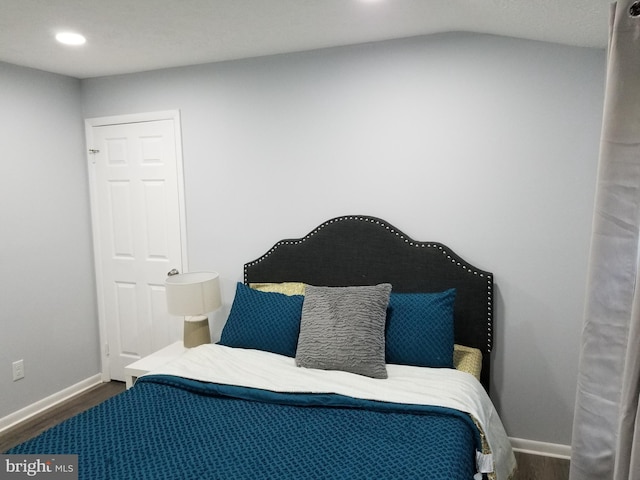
{"points": [[342, 328]]}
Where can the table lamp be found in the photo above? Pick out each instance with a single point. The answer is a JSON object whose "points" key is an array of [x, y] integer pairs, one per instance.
{"points": [[193, 295]]}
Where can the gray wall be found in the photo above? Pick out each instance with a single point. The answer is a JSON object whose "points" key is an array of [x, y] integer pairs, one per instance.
{"points": [[48, 316], [484, 143]]}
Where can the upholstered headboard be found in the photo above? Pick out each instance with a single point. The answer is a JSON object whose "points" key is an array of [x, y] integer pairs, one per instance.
{"points": [[363, 250]]}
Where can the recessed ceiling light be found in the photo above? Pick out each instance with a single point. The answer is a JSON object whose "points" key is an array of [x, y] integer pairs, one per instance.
{"points": [[70, 38]]}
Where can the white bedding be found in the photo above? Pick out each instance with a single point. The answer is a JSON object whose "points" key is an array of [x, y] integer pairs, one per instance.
{"points": [[406, 384]]}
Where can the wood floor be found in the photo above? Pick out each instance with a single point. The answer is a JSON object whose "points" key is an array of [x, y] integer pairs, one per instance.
{"points": [[39, 423], [536, 467], [530, 467]]}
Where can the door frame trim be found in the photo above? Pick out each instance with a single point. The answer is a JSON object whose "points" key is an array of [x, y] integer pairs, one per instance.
{"points": [[89, 123]]}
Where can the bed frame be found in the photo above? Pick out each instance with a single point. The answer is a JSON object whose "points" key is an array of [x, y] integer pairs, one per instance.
{"points": [[363, 250]]}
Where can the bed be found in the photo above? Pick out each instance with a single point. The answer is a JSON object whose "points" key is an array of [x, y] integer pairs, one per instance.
{"points": [[353, 352]]}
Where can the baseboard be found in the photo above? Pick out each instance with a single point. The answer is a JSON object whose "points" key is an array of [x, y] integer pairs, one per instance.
{"points": [[51, 401], [541, 448]]}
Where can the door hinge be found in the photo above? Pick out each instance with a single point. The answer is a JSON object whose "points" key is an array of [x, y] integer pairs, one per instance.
{"points": [[93, 152]]}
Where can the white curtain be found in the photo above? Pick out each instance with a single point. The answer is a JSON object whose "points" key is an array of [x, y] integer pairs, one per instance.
{"points": [[606, 431]]}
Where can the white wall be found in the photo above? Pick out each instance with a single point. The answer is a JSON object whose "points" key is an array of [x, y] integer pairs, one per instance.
{"points": [[48, 315], [484, 143]]}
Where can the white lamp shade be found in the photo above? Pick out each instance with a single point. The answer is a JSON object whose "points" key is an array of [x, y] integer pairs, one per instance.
{"points": [[195, 293]]}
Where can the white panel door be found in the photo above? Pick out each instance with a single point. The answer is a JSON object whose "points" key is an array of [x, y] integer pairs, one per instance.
{"points": [[138, 229]]}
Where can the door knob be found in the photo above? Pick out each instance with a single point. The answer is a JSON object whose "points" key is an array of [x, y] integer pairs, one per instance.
{"points": [[172, 272]]}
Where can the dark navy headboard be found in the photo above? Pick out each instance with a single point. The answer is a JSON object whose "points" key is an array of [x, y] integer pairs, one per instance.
{"points": [[363, 250]]}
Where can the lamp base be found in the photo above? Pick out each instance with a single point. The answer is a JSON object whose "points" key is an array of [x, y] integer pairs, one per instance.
{"points": [[196, 331]]}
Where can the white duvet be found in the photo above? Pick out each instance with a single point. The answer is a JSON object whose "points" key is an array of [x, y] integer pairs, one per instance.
{"points": [[406, 384]]}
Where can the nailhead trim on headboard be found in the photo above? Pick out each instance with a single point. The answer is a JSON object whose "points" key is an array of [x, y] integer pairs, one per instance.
{"points": [[466, 267]]}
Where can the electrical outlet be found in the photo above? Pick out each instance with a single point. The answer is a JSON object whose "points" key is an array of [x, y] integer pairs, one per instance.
{"points": [[18, 370]]}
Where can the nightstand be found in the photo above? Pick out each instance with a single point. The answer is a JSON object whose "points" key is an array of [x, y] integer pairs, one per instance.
{"points": [[151, 362]]}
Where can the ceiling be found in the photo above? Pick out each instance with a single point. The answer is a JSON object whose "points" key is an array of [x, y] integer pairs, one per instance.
{"points": [[125, 36]]}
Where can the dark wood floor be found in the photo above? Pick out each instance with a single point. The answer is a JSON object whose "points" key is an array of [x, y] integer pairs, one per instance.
{"points": [[536, 467], [530, 467], [41, 422]]}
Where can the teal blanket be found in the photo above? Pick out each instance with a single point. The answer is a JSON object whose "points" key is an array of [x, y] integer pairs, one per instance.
{"points": [[172, 428]]}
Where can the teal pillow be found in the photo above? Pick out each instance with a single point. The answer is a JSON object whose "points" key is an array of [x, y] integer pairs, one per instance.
{"points": [[263, 321], [420, 329]]}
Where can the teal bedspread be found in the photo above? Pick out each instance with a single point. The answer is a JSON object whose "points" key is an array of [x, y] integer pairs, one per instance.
{"points": [[168, 427]]}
